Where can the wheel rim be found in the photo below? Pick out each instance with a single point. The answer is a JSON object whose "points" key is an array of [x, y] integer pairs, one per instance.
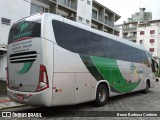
{"points": [[102, 95]]}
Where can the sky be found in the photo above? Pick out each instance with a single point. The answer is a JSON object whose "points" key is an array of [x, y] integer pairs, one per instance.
{"points": [[125, 8]]}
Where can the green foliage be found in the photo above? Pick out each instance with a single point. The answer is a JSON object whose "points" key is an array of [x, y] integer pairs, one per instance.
{"points": [[157, 74]]}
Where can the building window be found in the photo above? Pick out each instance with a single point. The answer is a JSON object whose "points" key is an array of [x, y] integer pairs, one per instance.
{"points": [[151, 49], [94, 27], [80, 19], [141, 42], [5, 21], [88, 2], [37, 9], [141, 32], [152, 31], [94, 13], [151, 40], [87, 21], [106, 20], [1, 53]]}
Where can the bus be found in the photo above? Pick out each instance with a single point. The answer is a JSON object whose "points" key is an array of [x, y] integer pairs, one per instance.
{"points": [[53, 61]]}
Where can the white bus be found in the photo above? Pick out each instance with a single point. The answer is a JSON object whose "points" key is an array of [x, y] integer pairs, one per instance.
{"points": [[53, 61]]}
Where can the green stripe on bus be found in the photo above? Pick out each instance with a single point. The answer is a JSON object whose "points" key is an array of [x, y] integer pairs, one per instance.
{"points": [[91, 67], [93, 70], [26, 67], [109, 69]]}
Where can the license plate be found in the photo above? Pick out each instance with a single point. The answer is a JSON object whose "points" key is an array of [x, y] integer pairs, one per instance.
{"points": [[20, 97]]}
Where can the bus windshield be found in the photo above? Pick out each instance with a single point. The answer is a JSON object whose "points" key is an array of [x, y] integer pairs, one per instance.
{"points": [[26, 28]]}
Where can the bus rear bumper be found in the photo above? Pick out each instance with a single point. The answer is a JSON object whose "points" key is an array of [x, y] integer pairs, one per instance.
{"points": [[42, 98]]}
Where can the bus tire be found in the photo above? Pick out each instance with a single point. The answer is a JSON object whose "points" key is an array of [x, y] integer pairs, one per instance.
{"points": [[146, 90], [101, 96]]}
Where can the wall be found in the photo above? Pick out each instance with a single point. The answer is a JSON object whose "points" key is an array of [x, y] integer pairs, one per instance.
{"points": [[3, 64], [147, 36], [84, 10], [13, 10]]}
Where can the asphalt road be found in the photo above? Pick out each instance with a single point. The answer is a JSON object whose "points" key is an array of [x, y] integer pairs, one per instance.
{"points": [[138, 103]]}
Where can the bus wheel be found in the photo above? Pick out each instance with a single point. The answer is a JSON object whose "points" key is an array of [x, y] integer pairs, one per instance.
{"points": [[147, 88], [101, 96]]}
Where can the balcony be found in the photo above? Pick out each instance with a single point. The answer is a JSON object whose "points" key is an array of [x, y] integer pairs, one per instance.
{"points": [[94, 15], [53, 1], [129, 29], [48, 2], [109, 23], [68, 3], [102, 20], [131, 38]]}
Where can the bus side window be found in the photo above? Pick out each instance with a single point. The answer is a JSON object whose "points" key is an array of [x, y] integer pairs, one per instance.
{"points": [[95, 44], [154, 66]]}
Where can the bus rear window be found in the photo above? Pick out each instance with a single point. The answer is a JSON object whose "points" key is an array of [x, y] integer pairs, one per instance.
{"points": [[24, 29]]}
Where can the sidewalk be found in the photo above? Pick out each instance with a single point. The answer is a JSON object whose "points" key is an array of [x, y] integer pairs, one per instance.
{"points": [[5, 102]]}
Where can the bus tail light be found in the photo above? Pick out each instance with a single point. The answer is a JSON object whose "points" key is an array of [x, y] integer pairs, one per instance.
{"points": [[7, 78], [43, 79]]}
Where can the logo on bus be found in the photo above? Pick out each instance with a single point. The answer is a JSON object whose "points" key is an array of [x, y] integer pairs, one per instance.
{"points": [[132, 67], [25, 68], [136, 73], [22, 26]]}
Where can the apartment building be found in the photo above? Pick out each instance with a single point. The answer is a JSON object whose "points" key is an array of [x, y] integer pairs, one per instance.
{"points": [[88, 12], [148, 35], [128, 30], [103, 18]]}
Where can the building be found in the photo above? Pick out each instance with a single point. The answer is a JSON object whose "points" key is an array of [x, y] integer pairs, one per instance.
{"points": [[128, 30], [148, 35], [88, 12], [140, 16], [103, 18]]}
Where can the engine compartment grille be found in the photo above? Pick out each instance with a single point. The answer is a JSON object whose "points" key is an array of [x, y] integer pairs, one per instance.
{"points": [[23, 57]]}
